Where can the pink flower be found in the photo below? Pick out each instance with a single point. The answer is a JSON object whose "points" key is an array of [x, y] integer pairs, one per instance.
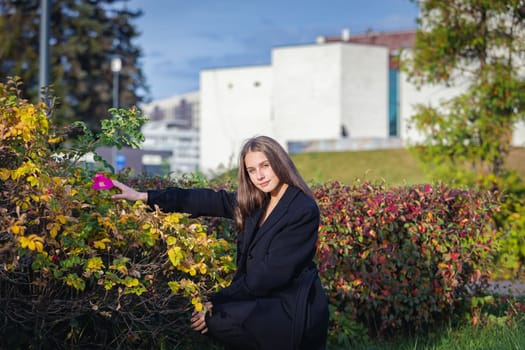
{"points": [[100, 182]]}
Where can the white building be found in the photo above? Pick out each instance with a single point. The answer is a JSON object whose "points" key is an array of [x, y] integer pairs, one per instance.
{"points": [[340, 93], [333, 93]]}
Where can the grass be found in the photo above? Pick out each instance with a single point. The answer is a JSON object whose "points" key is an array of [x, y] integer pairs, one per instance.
{"points": [[495, 336], [393, 166]]}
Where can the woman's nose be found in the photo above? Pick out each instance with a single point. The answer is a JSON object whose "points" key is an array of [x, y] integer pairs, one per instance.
{"points": [[260, 174]]}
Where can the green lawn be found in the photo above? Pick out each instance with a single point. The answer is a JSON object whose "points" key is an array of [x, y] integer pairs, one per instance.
{"points": [[497, 335], [394, 166]]}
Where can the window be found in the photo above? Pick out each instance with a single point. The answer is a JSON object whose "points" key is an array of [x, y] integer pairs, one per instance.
{"points": [[393, 102]]}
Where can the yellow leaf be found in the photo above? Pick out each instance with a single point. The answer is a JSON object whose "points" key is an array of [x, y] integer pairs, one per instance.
{"points": [[175, 255], [5, 174], [18, 230], [34, 237], [55, 140], [442, 265], [174, 286], [62, 219], [94, 264], [24, 242], [122, 269], [32, 242], [131, 282], [101, 244], [32, 180], [198, 307], [39, 246], [53, 229]]}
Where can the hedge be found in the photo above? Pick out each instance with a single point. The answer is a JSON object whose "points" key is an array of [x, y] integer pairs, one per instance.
{"points": [[79, 270]]}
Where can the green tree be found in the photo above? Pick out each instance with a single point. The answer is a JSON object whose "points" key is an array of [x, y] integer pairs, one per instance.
{"points": [[84, 36], [478, 44]]}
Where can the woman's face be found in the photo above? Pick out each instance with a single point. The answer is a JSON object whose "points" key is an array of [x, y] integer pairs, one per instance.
{"points": [[261, 172]]}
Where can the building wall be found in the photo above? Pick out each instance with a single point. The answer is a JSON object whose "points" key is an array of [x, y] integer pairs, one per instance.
{"points": [[410, 95], [365, 91], [307, 92], [235, 105], [518, 138]]}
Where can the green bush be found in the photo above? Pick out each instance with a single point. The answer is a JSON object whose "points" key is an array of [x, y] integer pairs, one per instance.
{"points": [[79, 270], [405, 258], [511, 220]]}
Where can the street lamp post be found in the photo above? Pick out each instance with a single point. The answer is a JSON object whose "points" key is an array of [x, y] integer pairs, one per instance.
{"points": [[43, 52], [116, 66]]}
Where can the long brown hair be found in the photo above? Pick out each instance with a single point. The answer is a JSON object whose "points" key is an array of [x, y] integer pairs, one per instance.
{"points": [[250, 197]]}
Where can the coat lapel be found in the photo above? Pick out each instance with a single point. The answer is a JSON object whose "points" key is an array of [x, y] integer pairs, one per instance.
{"points": [[250, 227], [280, 209]]}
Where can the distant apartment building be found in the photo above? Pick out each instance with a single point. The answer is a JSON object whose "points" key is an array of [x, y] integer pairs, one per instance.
{"points": [[173, 126]]}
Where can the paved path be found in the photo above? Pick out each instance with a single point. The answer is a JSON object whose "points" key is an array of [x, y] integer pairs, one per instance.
{"points": [[514, 288]]}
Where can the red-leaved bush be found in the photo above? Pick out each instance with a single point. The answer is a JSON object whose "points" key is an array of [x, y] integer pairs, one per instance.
{"points": [[402, 258], [392, 259]]}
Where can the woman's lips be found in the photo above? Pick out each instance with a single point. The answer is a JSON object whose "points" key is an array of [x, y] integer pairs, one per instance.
{"points": [[264, 184]]}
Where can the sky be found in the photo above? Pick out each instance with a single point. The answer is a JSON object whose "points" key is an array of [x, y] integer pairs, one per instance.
{"points": [[179, 38]]}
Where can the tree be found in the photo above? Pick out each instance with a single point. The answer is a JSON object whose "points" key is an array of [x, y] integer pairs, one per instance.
{"points": [[84, 36], [480, 45]]}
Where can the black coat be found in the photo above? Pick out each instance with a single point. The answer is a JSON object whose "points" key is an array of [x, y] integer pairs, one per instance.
{"points": [[274, 262]]}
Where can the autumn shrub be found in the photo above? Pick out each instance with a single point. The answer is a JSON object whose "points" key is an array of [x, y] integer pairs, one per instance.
{"points": [[402, 259], [79, 270]]}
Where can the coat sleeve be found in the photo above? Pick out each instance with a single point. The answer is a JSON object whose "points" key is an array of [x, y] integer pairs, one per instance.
{"points": [[197, 202], [291, 250]]}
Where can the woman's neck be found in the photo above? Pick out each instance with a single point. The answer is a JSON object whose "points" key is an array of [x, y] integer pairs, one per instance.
{"points": [[278, 192], [275, 196]]}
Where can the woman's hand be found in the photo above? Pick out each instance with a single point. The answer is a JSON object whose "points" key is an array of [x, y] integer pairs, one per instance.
{"points": [[198, 318], [129, 193]]}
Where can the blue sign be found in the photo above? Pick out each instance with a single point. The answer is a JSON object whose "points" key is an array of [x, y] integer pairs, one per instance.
{"points": [[120, 162]]}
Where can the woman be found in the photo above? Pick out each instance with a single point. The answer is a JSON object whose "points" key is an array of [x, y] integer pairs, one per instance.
{"points": [[275, 300]]}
